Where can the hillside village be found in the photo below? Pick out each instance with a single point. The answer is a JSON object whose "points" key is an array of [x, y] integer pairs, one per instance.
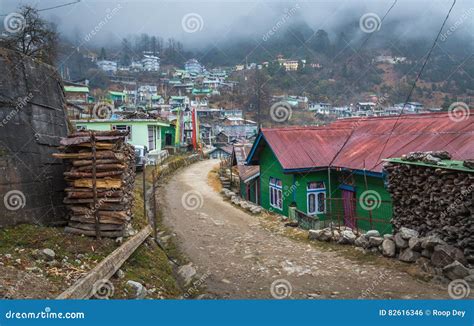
{"points": [[187, 182]]}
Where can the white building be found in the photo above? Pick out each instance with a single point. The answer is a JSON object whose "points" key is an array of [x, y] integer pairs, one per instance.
{"points": [[321, 107], [107, 65], [150, 63]]}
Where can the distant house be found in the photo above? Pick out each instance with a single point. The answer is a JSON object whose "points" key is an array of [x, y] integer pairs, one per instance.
{"points": [[222, 139], [335, 173], [223, 152], [193, 67], [107, 66], [410, 107], [321, 107], [179, 101], [77, 98], [238, 127], [118, 98], [143, 132], [150, 62], [248, 174]]}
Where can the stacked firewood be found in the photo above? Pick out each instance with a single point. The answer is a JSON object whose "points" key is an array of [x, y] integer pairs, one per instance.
{"points": [[433, 199], [100, 178]]}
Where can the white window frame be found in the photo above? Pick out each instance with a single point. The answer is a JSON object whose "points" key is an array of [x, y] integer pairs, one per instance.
{"points": [[275, 192], [316, 192], [153, 136], [124, 128]]}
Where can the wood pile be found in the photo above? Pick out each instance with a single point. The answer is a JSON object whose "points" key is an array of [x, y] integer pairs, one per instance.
{"points": [[433, 200], [100, 182]]}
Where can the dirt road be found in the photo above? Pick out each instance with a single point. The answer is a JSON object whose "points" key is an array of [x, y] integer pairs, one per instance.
{"points": [[242, 257]]}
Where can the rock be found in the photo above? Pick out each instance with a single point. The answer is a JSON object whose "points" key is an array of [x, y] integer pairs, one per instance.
{"points": [[425, 265], [256, 210], [407, 233], [375, 241], [455, 271], [470, 279], [314, 234], [431, 242], [362, 242], [446, 254], [415, 244], [48, 254], [336, 235], [409, 256], [388, 248], [53, 263], [388, 236], [187, 272], [372, 233], [119, 240], [426, 253], [8, 256], [139, 290], [119, 274], [347, 237], [400, 242]]}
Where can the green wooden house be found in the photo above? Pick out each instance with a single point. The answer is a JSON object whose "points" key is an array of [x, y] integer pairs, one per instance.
{"points": [[319, 175], [143, 132]]}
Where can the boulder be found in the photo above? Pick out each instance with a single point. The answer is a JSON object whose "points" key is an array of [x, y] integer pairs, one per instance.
{"points": [[138, 289], [375, 241], [187, 272], [455, 271], [407, 233], [409, 256], [48, 254], [362, 242], [426, 253], [347, 237], [119, 274], [431, 242], [388, 236], [388, 248], [314, 234], [415, 244], [446, 254], [400, 242], [326, 235], [372, 233]]}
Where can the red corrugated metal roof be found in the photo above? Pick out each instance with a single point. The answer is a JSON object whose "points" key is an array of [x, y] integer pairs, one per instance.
{"points": [[360, 143]]}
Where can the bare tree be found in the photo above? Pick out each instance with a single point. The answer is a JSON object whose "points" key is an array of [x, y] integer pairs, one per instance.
{"points": [[32, 36]]}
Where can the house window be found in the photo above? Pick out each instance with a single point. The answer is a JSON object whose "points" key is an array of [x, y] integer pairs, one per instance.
{"points": [[124, 128], [276, 197], [316, 197]]}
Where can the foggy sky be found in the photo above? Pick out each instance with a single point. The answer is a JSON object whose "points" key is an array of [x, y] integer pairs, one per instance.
{"points": [[227, 20]]}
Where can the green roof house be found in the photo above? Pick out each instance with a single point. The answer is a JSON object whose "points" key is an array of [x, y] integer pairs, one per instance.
{"points": [[143, 132]]}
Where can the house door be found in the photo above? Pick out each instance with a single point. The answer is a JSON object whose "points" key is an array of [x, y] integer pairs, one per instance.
{"points": [[348, 202], [168, 139]]}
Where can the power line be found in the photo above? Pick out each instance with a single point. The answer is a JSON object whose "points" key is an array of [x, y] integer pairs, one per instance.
{"points": [[51, 8], [416, 79]]}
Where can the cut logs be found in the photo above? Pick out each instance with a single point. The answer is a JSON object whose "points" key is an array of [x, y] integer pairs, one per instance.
{"points": [[433, 200], [100, 178]]}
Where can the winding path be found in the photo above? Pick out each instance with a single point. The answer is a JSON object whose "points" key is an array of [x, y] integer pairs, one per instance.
{"points": [[241, 258]]}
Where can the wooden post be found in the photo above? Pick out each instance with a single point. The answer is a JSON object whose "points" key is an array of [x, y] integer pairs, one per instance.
{"points": [[94, 186], [367, 188], [155, 231], [144, 192]]}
